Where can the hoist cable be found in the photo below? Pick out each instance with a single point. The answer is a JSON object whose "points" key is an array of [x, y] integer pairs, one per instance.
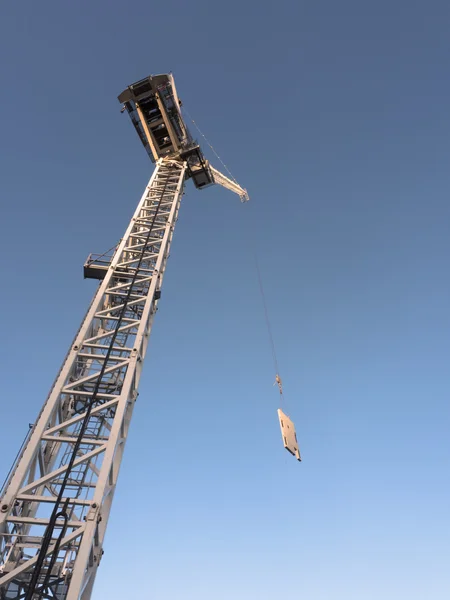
{"points": [[62, 514], [258, 271], [266, 316], [211, 146], [269, 328]]}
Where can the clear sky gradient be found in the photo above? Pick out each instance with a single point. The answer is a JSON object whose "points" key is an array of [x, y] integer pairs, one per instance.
{"points": [[335, 116]]}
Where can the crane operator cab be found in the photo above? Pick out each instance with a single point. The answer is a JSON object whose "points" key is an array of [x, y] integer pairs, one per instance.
{"points": [[154, 109]]}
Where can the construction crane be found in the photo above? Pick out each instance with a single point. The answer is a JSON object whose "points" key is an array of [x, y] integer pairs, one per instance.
{"points": [[56, 500]]}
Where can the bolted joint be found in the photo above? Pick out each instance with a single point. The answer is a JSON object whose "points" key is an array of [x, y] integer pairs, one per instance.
{"points": [[100, 556], [93, 513], [135, 354]]}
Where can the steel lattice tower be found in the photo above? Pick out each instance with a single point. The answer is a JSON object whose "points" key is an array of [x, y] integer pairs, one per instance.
{"points": [[55, 504]]}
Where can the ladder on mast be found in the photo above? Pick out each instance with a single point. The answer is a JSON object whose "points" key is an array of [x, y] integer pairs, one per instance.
{"points": [[55, 504]]}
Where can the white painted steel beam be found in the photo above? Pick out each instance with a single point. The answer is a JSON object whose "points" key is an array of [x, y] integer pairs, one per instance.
{"points": [[95, 389]]}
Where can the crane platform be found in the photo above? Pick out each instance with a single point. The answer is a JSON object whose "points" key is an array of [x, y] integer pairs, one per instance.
{"points": [[154, 108], [96, 266]]}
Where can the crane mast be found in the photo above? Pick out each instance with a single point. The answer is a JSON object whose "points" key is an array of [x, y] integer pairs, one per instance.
{"points": [[55, 503]]}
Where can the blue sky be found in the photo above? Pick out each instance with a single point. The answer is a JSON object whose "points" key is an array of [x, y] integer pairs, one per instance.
{"points": [[335, 117]]}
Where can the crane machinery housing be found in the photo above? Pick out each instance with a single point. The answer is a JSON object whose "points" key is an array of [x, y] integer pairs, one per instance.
{"points": [[57, 497]]}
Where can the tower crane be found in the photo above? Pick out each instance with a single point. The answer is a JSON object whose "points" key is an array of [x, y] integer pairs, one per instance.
{"points": [[56, 500]]}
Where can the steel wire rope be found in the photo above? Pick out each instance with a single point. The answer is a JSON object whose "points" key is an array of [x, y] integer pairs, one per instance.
{"points": [[54, 554], [55, 514], [258, 271], [210, 145], [14, 464], [266, 313], [267, 320], [99, 256]]}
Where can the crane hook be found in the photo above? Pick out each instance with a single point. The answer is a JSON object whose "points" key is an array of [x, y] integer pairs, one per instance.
{"points": [[279, 383]]}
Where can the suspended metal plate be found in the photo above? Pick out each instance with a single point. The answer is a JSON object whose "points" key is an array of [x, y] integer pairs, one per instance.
{"points": [[288, 434]]}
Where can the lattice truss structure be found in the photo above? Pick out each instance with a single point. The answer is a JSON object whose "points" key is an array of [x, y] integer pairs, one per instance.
{"points": [[58, 496]]}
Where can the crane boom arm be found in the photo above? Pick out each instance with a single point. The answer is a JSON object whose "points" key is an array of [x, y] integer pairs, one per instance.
{"points": [[55, 506], [227, 183], [56, 500]]}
